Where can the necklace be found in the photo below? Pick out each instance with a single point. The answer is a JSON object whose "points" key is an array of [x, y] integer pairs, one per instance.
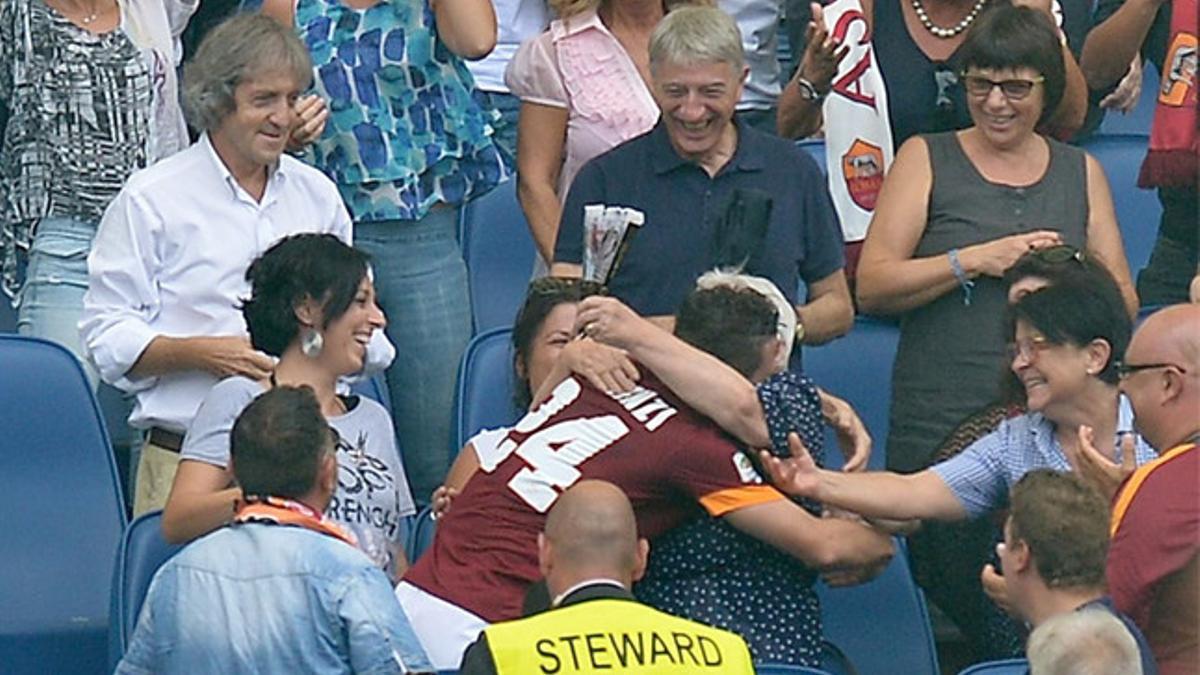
{"points": [[945, 33]]}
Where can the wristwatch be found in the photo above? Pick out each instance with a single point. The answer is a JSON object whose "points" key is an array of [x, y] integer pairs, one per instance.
{"points": [[808, 91]]}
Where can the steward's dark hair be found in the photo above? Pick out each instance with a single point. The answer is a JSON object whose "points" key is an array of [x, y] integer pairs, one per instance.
{"points": [[296, 268], [278, 442], [731, 324], [1006, 36]]}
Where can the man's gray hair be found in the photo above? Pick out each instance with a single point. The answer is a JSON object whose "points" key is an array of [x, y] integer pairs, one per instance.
{"points": [[1087, 642], [689, 36], [244, 46]]}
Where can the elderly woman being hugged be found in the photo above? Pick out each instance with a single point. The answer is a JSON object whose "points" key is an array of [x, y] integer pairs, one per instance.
{"points": [[958, 209]]}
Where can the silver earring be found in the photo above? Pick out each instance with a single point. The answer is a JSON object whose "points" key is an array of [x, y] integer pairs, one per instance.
{"points": [[311, 343]]}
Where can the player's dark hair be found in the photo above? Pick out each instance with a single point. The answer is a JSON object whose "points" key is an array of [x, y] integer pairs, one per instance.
{"points": [[731, 324]]}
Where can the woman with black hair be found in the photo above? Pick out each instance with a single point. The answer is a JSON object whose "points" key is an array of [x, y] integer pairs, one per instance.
{"points": [[312, 305]]}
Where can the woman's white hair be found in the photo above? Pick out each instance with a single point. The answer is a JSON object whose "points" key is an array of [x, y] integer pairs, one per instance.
{"points": [[785, 328], [1085, 642]]}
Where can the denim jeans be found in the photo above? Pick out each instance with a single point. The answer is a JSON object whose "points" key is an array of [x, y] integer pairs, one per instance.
{"points": [[51, 301], [421, 285]]}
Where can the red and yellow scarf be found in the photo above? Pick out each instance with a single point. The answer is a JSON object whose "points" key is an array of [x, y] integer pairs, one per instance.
{"points": [[1174, 140], [278, 511]]}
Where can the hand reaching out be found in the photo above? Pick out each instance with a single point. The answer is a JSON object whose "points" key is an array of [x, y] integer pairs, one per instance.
{"points": [[797, 475], [1101, 471], [852, 435]]}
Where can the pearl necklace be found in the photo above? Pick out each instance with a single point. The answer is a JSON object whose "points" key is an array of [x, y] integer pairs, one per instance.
{"points": [[945, 33]]}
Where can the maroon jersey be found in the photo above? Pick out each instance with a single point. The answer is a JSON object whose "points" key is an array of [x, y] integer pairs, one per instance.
{"points": [[671, 462]]}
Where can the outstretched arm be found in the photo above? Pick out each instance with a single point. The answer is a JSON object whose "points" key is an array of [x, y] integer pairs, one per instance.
{"points": [[821, 543]]}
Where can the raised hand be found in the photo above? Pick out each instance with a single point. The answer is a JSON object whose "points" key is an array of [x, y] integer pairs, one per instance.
{"points": [[311, 115], [609, 369], [852, 435], [995, 587], [1095, 467], [797, 475], [610, 321], [821, 54]]}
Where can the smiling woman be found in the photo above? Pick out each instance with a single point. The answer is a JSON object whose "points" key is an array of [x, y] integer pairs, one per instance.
{"points": [[312, 305]]}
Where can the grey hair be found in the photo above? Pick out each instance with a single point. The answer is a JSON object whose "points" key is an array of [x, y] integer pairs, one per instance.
{"points": [[237, 49], [1086, 642], [785, 330], [694, 35]]}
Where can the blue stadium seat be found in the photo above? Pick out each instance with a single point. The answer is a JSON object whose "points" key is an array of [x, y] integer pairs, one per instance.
{"points": [[858, 368], [143, 550], [1138, 210], [784, 669], [374, 388], [485, 384], [835, 660], [62, 501], [1005, 667], [499, 252], [1138, 121], [890, 607], [420, 536]]}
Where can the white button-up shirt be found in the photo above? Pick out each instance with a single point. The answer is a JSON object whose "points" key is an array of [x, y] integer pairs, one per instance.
{"points": [[170, 259]]}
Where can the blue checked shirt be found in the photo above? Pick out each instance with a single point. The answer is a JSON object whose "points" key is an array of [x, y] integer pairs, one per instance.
{"points": [[982, 475]]}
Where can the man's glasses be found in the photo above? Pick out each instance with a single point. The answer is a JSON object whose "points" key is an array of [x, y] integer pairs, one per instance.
{"points": [[1028, 348], [1124, 369], [979, 86]]}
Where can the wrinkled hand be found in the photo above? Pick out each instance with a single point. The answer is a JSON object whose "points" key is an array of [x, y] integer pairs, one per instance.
{"points": [[231, 355], [311, 115], [852, 435], [442, 497], [1125, 97], [822, 54], [607, 368], [1098, 469], [996, 588], [797, 475], [993, 258], [610, 321]]}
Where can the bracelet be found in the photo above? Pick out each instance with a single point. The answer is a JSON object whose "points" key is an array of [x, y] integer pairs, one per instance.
{"points": [[966, 284], [808, 91]]}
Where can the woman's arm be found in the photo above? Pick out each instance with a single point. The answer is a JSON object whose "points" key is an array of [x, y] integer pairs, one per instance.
{"points": [[541, 138], [467, 27], [201, 501], [1069, 116], [1104, 235], [1112, 44]]}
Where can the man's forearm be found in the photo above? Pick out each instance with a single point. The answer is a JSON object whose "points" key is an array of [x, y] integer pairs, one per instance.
{"points": [[1111, 45], [163, 355], [825, 318]]}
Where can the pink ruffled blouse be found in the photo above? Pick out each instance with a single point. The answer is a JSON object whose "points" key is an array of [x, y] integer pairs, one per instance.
{"points": [[579, 65]]}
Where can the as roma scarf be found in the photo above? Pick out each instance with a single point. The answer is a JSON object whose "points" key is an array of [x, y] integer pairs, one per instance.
{"points": [[1172, 159], [278, 511]]}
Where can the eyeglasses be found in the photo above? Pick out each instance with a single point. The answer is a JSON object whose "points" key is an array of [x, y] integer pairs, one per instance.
{"points": [[1124, 369], [1057, 255], [979, 86], [1028, 348]]}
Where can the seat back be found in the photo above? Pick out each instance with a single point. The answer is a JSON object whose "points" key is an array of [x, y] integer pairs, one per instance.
{"points": [[499, 252], [485, 385], [786, 669], [1138, 210], [8, 316], [892, 606], [1003, 667], [858, 368], [420, 536], [143, 550], [374, 388], [62, 499]]}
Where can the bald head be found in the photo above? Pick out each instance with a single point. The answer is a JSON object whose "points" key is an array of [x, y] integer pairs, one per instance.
{"points": [[1164, 385], [591, 533]]}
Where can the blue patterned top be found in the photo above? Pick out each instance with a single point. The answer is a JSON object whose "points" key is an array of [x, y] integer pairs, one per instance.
{"points": [[405, 130], [709, 572]]}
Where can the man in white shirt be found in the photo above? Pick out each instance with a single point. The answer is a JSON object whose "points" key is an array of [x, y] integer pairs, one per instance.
{"points": [[166, 271]]}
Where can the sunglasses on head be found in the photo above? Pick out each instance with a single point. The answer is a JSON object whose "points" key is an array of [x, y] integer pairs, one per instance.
{"points": [[1015, 89], [1057, 255], [564, 286]]}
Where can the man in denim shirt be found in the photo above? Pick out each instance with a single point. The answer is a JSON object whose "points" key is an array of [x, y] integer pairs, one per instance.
{"points": [[281, 589]]}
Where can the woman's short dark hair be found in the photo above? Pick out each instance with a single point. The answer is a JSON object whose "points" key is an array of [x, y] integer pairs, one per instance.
{"points": [[731, 324], [296, 268], [1076, 313], [543, 296], [277, 443], [1006, 36]]}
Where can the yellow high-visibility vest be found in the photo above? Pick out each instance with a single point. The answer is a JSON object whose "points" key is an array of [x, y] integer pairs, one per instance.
{"points": [[614, 636]]}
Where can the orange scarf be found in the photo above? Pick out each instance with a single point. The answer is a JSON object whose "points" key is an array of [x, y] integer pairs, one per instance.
{"points": [[1174, 140], [277, 511]]}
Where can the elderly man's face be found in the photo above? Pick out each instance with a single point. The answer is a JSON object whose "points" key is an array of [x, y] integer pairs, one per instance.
{"points": [[256, 132], [697, 103]]}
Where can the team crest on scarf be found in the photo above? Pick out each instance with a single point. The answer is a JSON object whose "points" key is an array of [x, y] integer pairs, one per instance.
{"points": [[862, 169], [1179, 83]]}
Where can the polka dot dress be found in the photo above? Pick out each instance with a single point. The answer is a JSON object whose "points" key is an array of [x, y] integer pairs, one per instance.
{"points": [[707, 571]]}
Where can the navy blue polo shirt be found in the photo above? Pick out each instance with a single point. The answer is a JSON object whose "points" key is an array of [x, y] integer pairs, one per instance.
{"points": [[683, 204]]}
